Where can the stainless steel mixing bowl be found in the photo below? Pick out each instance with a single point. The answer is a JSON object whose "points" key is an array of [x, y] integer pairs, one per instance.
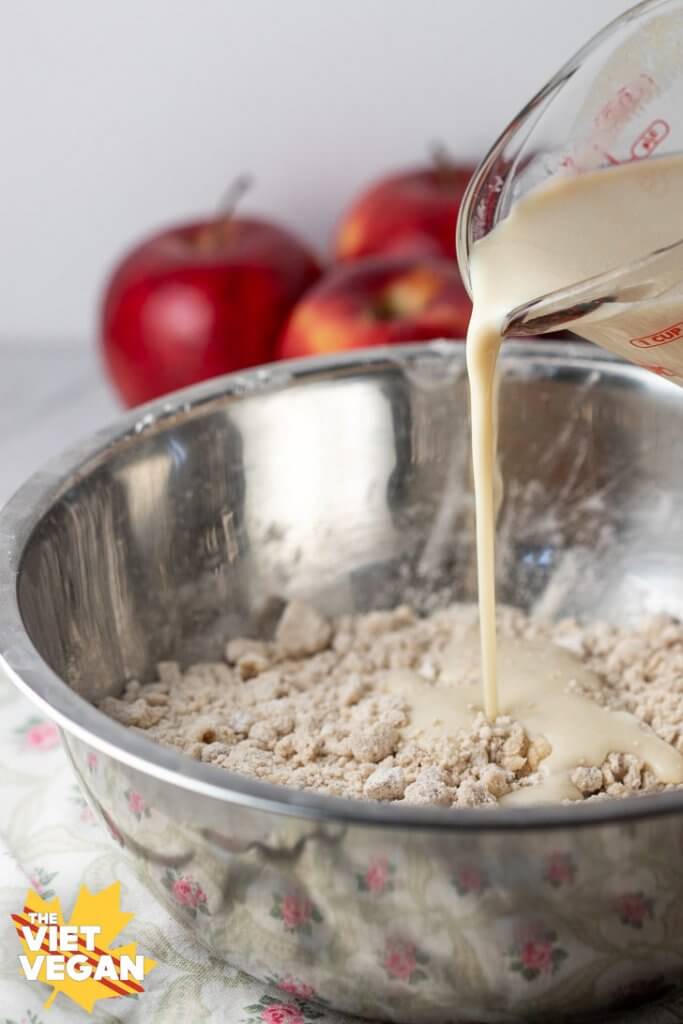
{"points": [[346, 481]]}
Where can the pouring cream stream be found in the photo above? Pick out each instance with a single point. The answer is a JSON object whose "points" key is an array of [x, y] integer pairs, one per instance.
{"points": [[571, 229]]}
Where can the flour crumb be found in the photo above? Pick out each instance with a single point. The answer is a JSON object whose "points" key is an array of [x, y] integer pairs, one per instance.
{"points": [[588, 780], [302, 631], [474, 794], [138, 713], [375, 742], [251, 665], [430, 787], [386, 783], [310, 710]]}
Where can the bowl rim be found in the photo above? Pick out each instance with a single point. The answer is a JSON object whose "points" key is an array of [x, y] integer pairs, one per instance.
{"points": [[25, 667]]}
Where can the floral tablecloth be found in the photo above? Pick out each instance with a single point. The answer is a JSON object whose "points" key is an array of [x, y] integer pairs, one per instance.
{"points": [[49, 840]]}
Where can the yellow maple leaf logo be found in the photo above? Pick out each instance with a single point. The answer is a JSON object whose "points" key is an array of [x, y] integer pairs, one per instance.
{"points": [[75, 957]]}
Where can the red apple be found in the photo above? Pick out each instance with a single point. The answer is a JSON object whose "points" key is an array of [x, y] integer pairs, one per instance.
{"points": [[199, 300], [377, 302], [412, 212]]}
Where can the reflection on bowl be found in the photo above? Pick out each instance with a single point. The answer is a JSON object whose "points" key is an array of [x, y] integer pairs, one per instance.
{"points": [[346, 482]]}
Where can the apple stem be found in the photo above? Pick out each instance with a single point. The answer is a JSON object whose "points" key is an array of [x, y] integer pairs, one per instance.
{"points": [[443, 161], [233, 193], [216, 232]]}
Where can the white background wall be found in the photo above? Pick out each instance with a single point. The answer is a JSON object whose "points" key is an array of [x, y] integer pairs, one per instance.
{"points": [[117, 116]]}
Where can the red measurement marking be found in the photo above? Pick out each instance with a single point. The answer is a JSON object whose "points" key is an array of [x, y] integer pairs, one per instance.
{"points": [[625, 102], [661, 371], [663, 337], [649, 139]]}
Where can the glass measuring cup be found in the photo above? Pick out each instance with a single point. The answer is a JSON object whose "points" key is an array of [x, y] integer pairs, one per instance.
{"points": [[616, 101]]}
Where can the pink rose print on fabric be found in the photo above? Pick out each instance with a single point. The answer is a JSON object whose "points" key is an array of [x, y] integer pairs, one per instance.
{"points": [[299, 989], [537, 956], [43, 737], [403, 961], [282, 1014], [186, 891], [536, 953], [297, 912], [91, 761], [273, 1011], [469, 879], [378, 877], [633, 908], [39, 735], [559, 869], [136, 804]]}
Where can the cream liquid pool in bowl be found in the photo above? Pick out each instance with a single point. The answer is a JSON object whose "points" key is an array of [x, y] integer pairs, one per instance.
{"points": [[346, 481]]}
